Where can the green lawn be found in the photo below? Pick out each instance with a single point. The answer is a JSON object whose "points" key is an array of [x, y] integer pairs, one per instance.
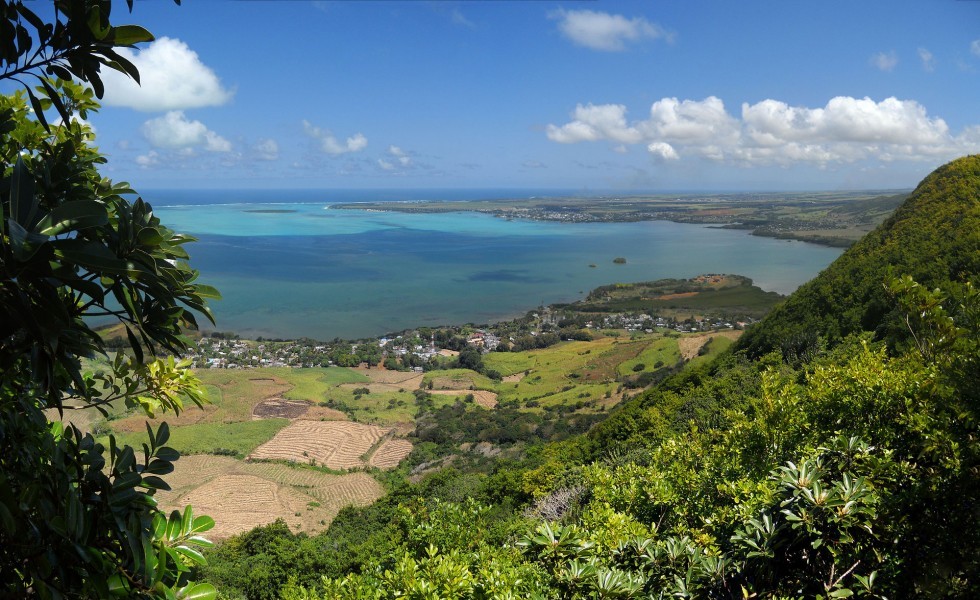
{"points": [[214, 438]]}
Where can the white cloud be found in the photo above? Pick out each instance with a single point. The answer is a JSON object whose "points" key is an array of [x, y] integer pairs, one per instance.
{"points": [[385, 165], [150, 159], [172, 77], [975, 47], [174, 131], [884, 61], [266, 149], [928, 60], [403, 158], [330, 144], [604, 31], [662, 151], [596, 122], [769, 132]]}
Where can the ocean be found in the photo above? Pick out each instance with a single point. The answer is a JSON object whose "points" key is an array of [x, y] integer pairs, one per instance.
{"points": [[289, 265]]}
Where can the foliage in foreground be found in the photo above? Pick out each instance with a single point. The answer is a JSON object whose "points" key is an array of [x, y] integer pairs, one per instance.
{"points": [[78, 519]]}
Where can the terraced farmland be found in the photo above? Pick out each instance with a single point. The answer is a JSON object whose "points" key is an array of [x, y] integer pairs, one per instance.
{"points": [[241, 495], [337, 445]]}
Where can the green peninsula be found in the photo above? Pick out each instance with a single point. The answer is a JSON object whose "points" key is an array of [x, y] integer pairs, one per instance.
{"points": [[829, 218]]}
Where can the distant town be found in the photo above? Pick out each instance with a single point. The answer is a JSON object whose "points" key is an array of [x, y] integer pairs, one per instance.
{"points": [[433, 348]]}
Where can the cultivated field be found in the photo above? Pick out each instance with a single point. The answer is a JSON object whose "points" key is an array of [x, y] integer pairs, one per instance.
{"points": [[481, 397], [336, 445], [390, 453], [241, 495]]}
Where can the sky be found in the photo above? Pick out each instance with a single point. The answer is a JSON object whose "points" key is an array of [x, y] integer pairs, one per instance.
{"points": [[654, 95]]}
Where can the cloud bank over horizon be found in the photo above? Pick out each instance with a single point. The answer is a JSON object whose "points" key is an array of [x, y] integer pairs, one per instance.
{"points": [[773, 133]]}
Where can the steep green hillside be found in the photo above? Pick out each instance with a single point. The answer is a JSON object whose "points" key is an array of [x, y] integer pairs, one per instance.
{"points": [[934, 237]]}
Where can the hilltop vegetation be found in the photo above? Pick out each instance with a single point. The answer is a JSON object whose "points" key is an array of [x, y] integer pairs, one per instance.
{"points": [[932, 238], [845, 468]]}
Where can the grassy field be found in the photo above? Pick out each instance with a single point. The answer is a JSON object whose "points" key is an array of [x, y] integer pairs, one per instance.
{"points": [[660, 353], [231, 439], [581, 376]]}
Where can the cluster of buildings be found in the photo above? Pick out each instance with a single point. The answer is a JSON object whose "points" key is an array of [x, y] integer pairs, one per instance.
{"points": [[647, 323], [225, 352], [221, 353]]}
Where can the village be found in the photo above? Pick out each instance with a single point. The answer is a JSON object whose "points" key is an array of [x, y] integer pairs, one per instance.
{"points": [[434, 348]]}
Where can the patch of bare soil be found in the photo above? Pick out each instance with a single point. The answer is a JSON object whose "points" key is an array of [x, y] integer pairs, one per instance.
{"points": [[516, 377], [689, 346], [278, 408], [677, 295]]}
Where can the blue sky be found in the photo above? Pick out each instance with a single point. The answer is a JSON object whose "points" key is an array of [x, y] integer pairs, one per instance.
{"points": [[652, 95]]}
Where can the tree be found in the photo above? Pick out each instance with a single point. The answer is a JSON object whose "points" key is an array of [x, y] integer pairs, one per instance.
{"points": [[78, 519]]}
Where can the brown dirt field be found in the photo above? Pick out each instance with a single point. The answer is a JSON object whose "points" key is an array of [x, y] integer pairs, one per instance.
{"points": [[484, 398], [390, 453], [383, 380], [333, 444], [277, 408], [678, 295], [402, 378], [240, 502], [690, 345], [240, 496], [516, 377]]}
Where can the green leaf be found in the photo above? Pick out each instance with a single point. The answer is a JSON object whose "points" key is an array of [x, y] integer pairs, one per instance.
{"points": [[23, 243], [163, 434], [73, 216], [197, 591], [207, 291], [129, 35], [91, 255], [23, 202], [192, 555], [152, 481], [188, 520], [202, 523], [117, 585], [168, 454]]}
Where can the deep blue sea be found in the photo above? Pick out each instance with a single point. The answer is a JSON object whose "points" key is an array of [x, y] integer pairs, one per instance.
{"points": [[322, 272]]}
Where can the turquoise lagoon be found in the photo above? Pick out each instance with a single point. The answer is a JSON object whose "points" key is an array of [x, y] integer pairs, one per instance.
{"points": [[294, 266]]}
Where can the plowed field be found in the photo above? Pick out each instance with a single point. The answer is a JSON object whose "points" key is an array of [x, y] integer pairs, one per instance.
{"points": [[333, 444], [240, 496]]}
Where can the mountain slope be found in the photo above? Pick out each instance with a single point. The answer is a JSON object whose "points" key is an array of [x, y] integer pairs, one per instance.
{"points": [[934, 237]]}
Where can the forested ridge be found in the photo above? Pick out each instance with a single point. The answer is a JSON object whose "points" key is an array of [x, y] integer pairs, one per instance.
{"points": [[933, 237], [834, 453]]}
